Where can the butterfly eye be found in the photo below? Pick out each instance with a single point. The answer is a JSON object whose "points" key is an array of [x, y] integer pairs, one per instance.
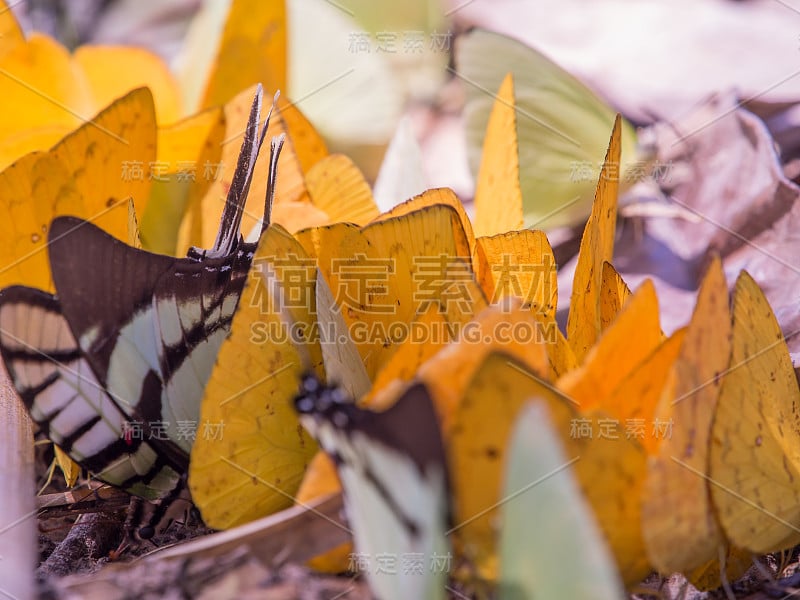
{"points": [[310, 384], [304, 404], [146, 532]]}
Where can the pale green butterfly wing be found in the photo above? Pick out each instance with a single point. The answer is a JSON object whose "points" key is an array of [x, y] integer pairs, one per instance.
{"points": [[550, 544], [402, 174], [350, 93], [562, 126], [413, 36], [343, 365]]}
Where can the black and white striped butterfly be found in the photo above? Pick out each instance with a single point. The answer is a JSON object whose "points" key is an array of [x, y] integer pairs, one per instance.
{"points": [[394, 478], [130, 338]]}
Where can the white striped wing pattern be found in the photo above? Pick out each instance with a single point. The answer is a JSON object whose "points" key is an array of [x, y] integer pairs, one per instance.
{"points": [[113, 364], [68, 403]]}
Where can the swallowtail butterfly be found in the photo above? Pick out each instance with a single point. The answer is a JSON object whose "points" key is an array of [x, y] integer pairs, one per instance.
{"points": [[393, 473], [129, 339]]}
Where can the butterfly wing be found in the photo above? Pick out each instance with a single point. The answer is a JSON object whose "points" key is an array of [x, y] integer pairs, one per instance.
{"points": [[149, 325], [392, 468], [754, 450], [68, 402], [190, 329], [339, 352], [562, 126], [109, 309]]}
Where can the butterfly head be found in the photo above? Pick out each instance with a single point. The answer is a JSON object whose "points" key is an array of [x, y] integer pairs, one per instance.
{"points": [[329, 402]]}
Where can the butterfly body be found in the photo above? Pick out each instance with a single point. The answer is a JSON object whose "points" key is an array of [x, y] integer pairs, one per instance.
{"points": [[112, 368], [392, 468], [143, 331], [149, 325]]}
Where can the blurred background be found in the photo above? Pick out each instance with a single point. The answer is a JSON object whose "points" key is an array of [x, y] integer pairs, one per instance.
{"points": [[357, 67]]}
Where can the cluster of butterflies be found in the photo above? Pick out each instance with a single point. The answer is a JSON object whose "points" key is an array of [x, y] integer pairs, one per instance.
{"points": [[136, 337], [129, 338]]}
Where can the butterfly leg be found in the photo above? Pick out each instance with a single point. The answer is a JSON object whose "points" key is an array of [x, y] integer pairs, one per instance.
{"points": [[129, 529], [146, 519]]}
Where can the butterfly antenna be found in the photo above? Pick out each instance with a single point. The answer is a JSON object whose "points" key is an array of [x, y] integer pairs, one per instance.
{"points": [[228, 234], [266, 217], [269, 116], [276, 145]]}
